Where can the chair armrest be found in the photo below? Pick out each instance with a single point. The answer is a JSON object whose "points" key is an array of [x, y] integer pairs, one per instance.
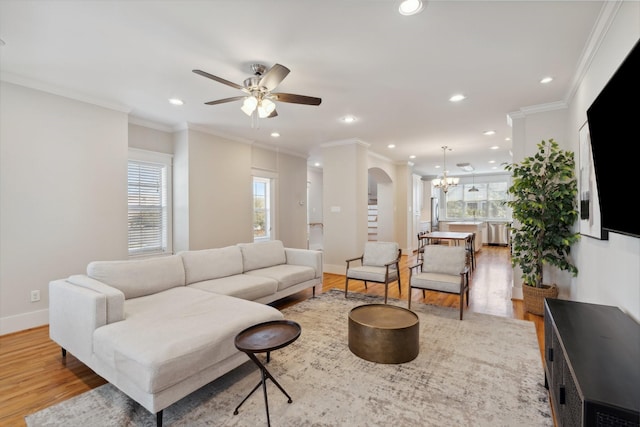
{"points": [[361, 257], [415, 266]]}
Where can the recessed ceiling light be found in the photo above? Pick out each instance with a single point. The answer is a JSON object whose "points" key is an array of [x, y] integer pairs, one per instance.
{"points": [[507, 139], [489, 132], [176, 101], [492, 161], [391, 146], [275, 134], [546, 80], [494, 147], [412, 156], [316, 164], [457, 98], [348, 119], [410, 7]]}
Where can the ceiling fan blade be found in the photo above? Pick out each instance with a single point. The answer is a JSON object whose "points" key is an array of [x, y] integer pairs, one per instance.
{"points": [[274, 76], [218, 79], [296, 99], [222, 101]]}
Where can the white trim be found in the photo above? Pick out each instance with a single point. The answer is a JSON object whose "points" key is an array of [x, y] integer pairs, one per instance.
{"points": [[23, 321]]}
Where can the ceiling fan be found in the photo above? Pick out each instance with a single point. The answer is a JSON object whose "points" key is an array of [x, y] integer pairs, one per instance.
{"points": [[258, 91]]}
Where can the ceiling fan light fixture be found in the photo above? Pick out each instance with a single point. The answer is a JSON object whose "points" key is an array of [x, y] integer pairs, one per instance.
{"points": [[265, 108], [249, 105]]}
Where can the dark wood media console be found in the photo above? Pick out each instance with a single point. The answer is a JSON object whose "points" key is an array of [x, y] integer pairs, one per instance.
{"points": [[592, 364]]}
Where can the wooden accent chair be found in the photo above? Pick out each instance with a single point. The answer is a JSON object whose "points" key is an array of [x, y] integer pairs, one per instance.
{"points": [[422, 242], [443, 269], [379, 263]]}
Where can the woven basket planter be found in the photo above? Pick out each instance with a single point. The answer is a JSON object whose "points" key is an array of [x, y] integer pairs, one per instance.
{"points": [[534, 297]]}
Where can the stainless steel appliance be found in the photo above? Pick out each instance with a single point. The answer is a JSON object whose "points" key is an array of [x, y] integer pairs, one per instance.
{"points": [[435, 214], [498, 233]]}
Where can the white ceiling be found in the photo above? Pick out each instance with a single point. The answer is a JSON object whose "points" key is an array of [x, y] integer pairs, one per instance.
{"points": [[394, 73]]}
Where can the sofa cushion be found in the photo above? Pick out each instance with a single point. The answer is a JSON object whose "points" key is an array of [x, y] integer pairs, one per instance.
{"points": [[262, 254], [209, 264], [285, 274], [136, 278], [241, 286], [172, 335]]}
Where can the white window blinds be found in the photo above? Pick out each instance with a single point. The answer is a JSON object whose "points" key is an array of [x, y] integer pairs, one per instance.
{"points": [[148, 208]]}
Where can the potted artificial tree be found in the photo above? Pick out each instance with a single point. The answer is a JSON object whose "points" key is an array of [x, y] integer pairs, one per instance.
{"points": [[544, 203]]}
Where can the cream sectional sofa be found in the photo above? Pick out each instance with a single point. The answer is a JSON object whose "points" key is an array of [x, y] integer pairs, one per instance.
{"points": [[160, 328]]}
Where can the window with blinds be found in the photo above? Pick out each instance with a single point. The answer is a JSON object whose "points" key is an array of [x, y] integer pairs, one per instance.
{"points": [[149, 208]]}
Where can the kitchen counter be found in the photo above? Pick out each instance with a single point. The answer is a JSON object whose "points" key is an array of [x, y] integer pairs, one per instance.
{"points": [[470, 227]]}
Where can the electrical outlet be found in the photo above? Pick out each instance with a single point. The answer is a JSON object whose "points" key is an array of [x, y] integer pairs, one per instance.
{"points": [[35, 296]]}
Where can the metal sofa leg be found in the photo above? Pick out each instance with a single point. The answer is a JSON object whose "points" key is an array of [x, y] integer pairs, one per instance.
{"points": [[64, 352], [159, 419]]}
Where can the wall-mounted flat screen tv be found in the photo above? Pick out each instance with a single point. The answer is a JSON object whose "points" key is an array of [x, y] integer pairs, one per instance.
{"points": [[614, 125]]}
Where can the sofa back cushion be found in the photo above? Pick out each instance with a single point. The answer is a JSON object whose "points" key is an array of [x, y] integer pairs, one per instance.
{"points": [[210, 264], [137, 278], [262, 254]]}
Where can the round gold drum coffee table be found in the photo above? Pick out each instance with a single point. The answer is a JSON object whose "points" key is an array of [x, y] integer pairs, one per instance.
{"points": [[384, 333]]}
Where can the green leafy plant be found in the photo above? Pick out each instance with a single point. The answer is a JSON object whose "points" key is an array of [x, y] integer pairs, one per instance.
{"points": [[544, 202]]}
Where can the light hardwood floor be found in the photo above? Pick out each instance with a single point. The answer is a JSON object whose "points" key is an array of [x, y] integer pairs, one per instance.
{"points": [[33, 374]]}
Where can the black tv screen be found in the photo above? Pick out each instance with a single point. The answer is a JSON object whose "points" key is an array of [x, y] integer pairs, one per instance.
{"points": [[614, 126]]}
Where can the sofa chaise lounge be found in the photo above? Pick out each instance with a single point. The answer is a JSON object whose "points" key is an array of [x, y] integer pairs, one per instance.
{"points": [[160, 328]]}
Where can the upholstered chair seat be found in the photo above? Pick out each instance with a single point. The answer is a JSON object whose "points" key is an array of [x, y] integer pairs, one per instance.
{"points": [[379, 263], [443, 269]]}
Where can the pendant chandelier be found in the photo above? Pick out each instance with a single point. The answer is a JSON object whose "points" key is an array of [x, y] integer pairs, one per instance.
{"points": [[445, 182], [473, 188]]}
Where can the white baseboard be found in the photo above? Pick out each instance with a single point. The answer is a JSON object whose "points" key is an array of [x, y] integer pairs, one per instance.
{"points": [[516, 292], [23, 321], [335, 269]]}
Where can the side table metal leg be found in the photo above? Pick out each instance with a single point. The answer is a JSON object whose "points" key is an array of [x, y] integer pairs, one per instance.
{"points": [[245, 399], [265, 374], [266, 400]]}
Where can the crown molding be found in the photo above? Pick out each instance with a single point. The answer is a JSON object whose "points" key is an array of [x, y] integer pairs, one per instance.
{"points": [[61, 91]]}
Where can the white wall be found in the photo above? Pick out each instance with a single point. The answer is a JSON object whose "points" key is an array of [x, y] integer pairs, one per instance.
{"points": [[314, 208], [344, 203], [220, 191], [291, 197], [292, 200], [63, 195], [609, 269]]}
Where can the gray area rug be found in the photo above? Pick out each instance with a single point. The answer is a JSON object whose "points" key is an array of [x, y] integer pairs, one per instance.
{"points": [[481, 371]]}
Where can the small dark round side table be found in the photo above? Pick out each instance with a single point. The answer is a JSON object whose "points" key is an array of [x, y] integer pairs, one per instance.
{"points": [[384, 333], [264, 338]]}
